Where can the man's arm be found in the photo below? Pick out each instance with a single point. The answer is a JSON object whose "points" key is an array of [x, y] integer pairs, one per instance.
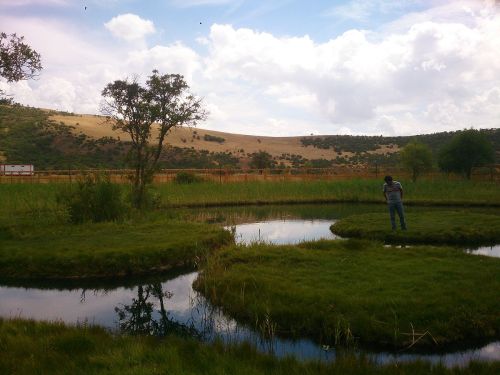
{"points": [[401, 191]]}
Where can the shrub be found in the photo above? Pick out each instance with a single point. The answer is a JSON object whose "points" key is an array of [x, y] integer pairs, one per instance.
{"points": [[186, 178], [95, 199], [213, 138]]}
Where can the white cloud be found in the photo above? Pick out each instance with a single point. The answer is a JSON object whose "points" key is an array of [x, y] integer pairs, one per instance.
{"points": [[130, 27], [420, 78], [175, 58]]}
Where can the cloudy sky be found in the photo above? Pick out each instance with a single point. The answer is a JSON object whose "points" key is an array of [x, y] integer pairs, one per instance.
{"points": [[277, 68]]}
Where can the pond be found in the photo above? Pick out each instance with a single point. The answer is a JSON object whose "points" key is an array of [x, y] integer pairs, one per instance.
{"points": [[162, 305]]}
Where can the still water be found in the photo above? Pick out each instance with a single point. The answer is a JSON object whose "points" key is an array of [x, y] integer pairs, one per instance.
{"points": [[160, 306], [280, 232]]}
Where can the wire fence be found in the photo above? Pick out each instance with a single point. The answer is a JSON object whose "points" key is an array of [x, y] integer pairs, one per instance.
{"points": [[225, 175]]}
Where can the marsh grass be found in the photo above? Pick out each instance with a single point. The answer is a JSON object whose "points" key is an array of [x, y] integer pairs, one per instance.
{"points": [[438, 192], [132, 247], [337, 291], [433, 227], [51, 348], [32, 200]]}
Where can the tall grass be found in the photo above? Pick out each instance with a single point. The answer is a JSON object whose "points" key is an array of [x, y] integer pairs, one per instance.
{"points": [[31, 198], [431, 227], [335, 290], [440, 192], [95, 199], [43, 348]]}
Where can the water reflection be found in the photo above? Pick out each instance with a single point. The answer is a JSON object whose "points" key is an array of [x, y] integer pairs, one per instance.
{"points": [[160, 308], [147, 314], [490, 251], [286, 231]]}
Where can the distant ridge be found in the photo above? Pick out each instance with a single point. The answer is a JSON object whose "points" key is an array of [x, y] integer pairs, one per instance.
{"points": [[59, 140]]}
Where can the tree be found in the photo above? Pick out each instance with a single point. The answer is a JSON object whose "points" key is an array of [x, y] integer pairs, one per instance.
{"points": [[466, 150], [18, 61], [417, 158], [147, 113], [262, 160]]}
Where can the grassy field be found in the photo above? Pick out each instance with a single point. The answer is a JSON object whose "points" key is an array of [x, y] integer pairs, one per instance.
{"points": [[134, 246], [43, 348], [22, 199], [446, 227], [440, 192], [341, 292]]}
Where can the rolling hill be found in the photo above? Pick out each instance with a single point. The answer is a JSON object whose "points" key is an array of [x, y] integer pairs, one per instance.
{"points": [[59, 140]]}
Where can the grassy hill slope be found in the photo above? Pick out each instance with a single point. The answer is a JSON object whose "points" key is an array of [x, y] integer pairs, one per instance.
{"points": [[58, 140]]}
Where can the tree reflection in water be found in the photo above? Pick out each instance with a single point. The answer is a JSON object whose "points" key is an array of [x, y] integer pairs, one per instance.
{"points": [[142, 318]]}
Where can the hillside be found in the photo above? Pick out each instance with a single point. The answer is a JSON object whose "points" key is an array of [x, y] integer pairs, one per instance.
{"points": [[56, 140]]}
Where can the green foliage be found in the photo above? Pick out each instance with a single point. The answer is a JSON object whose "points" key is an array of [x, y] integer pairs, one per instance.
{"points": [[186, 178], [361, 144], [177, 158], [467, 149], [94, 199], [28, 136], [213, 138], [335, 291], [18, 61], [417, 158], [445, 227], [262, 160]]}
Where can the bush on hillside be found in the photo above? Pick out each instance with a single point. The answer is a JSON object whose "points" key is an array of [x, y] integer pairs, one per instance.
{"points": [[186, 178]]}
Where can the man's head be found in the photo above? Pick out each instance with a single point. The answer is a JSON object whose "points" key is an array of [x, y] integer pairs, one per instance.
{"points": [[388, 179]]}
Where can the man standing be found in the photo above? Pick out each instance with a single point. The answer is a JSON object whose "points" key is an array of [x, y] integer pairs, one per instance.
{"points": [[393, 193]]}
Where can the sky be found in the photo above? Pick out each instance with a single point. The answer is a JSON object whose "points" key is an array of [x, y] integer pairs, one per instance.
{"points": [[275, 68]]}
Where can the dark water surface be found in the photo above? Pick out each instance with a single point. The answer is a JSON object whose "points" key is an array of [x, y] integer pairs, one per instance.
{"points": [[160, 306]]}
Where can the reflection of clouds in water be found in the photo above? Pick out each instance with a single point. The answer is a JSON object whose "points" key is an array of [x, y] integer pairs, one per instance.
{"points": [[490, 352], [491, 251], [181, 288], [64, 305], [284, 231]]}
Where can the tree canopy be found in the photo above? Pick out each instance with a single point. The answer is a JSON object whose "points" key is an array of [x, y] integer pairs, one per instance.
{"points": [[262, 160], [467, 149], [417, 158], [147, 113], [18, 61]]}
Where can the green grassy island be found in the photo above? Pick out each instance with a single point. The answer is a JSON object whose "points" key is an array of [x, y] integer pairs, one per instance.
{"points": [[341, 292], [436, 227], [52, 348], [133, 247]]}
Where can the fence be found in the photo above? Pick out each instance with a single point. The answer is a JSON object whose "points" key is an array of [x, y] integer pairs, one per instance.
{"points": [[224, 175]]}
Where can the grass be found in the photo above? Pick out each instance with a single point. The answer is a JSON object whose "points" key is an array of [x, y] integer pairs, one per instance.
{"points": [[341, 292], [135, 246], [443, 227], [440, 192], [50, 348], [22, 199]]}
